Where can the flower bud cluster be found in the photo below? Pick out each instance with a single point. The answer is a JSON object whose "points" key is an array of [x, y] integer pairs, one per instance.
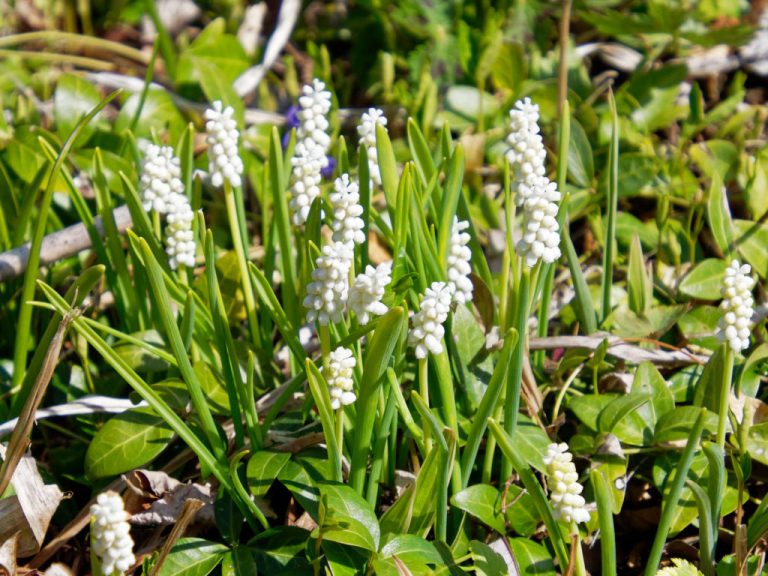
{"points": [[179, 238], [327, 293], [563, 480], [110, 534], [160, 178], [427, 332], [345, 200], [367, 290], [537, 195], [459, 267], [367, 132], [737, 306], [339, 377], [312, 142], [224, 162]]}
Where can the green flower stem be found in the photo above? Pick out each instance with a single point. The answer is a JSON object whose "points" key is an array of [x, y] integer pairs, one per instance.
{"points": [[576, 550], [671, 502], [245, 277], [424, 391], [340, 438], [514, 383], [725, 389], [325, 346], [605, 518]]}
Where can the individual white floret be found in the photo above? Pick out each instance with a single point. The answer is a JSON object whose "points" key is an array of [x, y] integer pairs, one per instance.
{"points": [[328, 291], [179, 237], [737, 305], [224, 162], [160, 178], [427, 332], [312, 142], [110, 534], [367, 132], [345, 201], [564, 487], [339, 378], [458, 260], [367, 290]]}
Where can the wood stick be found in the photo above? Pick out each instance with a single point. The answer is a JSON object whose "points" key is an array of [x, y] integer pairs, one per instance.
{"points": [[58, 245]]}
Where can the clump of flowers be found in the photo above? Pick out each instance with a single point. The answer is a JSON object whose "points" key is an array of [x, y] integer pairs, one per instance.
{"points": [[328, 291], [179, 238], [110, 534], [224, 162], [160, 178], [737, 305], [537, 195], [367, 290], [312, 144], [367, 132], [427, 333], [565, 490], [340, 366], [459, 267], [345, 200]]}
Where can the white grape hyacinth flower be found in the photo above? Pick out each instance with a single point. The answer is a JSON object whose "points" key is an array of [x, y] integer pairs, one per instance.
{"points": [[160, 178], [736, 323], [367, 132], [110, 534], [339, 377], [312, 143], [345, 201], [179, 237], [427, 333], [458, 261], [327, 293], [224, 162], [564, 487], [537, 195], [367, 290]]}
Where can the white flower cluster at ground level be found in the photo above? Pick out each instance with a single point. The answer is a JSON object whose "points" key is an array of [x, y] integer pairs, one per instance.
{"points": [[339, 377], [564, 487], [160, 178], [312, 142], [737, 306], [427, 332], [224, 162], [459, 267], [367, 131], [537, 195], [110, 534]]}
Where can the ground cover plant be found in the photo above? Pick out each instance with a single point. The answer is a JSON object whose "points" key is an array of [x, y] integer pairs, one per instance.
{"points": [[360, 288]]}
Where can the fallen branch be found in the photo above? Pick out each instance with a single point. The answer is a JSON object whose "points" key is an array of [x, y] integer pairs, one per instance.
{"points": [[619, 348], [58, 245]]}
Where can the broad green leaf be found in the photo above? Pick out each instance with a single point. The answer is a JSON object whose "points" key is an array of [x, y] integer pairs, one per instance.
{"points": [[719, 215], [620, 418], [348, 518], [411, 548], [757, 442], [531, 443], [581, 165], [263, 469], [751, 240], [158, 115], [676, 424], [482, 501], [240, 561], [753, 371], [588, 408], [531, 557], [487, 561], [344, 560], [699, 326], [127, 441], [470, 102], [193, 557], [648, 380], [294, 477], [610, 461], [141, 359], [74, 98], [281, 548], [216, 48], [705, 281]]}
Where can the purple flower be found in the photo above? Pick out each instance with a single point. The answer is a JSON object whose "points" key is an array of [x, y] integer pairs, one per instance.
{"points": [[291, 121], [327, 171]]}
